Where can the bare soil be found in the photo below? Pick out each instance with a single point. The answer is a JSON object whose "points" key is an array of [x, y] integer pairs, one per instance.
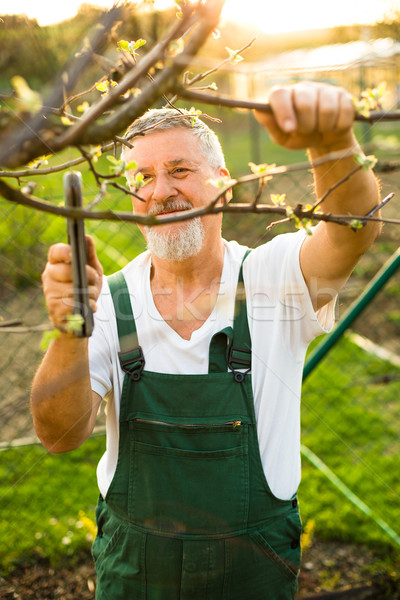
{"points": [[327, 566]]}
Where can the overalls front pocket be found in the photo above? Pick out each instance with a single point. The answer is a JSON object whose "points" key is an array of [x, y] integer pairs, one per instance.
{"points": [[265, 561], [119, 556], [190, 478], [199, 521], [279, 541]]}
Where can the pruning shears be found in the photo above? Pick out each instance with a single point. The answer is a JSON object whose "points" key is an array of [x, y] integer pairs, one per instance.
{"points": [[76, 239]]}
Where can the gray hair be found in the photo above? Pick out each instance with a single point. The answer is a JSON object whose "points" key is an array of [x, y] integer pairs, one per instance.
{"points": [[161, 119]]}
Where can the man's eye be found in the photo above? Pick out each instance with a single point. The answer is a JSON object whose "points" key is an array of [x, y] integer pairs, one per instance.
{"points": [[180, 171]]}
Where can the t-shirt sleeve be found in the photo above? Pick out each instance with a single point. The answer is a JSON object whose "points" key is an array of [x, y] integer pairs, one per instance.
{"points": [[100, 356], [278, 291]]}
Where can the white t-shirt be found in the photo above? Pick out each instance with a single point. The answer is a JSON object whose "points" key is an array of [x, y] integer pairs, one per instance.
{"points": [[282, 323]]}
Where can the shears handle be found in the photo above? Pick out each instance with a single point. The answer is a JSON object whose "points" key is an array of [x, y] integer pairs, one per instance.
{"points": [[76, 239]]}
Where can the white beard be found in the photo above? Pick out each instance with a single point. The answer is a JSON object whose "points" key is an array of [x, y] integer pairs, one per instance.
{"points": [[185, 242]]}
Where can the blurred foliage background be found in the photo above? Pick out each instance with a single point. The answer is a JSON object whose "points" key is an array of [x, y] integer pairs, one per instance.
{"points": [[351, 412]]}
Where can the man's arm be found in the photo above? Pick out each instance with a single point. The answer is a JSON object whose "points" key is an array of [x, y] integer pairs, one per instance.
{"points": [[64, 408], [320, 118]]}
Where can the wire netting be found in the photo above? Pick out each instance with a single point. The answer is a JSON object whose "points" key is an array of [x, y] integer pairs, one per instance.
{"points": [[351, 415]]}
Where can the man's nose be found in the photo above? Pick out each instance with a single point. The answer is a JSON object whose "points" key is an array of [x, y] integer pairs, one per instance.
{"points": [[163, 187]]}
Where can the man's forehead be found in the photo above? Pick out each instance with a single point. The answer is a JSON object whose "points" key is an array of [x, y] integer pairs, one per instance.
{"points": [[166, 138], [167, 147]]}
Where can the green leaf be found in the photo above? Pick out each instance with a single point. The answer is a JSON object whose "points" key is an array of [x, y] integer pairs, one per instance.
{"points": [[196, 113], [278, 199], [307, 225], [139, 43], [123, 44], [366, 162], [138, 181], [131, 46], [222, 182], [370, 100], [40, 160], [175, 47], [74, 323], [289, 212], [261, 168], [30, 101], [113, 160], [234, 55], [356, 224], [84, 107], [117, 165], [47, 338], [102, 86]]}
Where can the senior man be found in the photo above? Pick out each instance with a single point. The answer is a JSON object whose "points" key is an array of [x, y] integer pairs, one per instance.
{"points": [[202, 381]]}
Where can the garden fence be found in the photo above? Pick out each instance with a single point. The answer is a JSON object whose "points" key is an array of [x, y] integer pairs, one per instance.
{"points": [[351, 414]]}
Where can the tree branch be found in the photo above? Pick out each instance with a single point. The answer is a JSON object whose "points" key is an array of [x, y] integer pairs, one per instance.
{"points": [[16, 196], [163, 82], [216, 100], [35, 136], [75, 133]]}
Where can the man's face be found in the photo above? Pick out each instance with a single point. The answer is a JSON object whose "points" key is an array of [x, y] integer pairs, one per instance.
{"points": [[177, 177]]}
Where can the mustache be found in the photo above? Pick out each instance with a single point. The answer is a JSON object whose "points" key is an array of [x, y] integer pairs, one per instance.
{"points": [[169, 206]]}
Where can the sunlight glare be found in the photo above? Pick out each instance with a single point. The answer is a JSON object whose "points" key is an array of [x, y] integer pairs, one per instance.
{"points": [[291, 15], [282, 16]]}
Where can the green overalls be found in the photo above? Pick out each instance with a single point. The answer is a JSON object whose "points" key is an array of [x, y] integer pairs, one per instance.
{"points": [[189, 514]]}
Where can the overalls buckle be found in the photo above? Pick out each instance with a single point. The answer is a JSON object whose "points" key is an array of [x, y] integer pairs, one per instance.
{"points": [[242, 361], [132, 362]]}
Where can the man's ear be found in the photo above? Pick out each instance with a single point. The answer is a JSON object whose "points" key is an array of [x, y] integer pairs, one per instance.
{"points": [[223, 172]]}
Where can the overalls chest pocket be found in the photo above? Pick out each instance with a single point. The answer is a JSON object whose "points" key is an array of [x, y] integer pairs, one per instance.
{"points": [[188, 478]]}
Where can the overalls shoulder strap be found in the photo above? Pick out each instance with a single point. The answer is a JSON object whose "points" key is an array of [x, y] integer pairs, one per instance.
{"points": [[240, 349], [238, 346], [232, 346], [131, 355]]}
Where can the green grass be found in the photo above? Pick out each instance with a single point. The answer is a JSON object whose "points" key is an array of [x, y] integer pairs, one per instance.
{"points": [[26, 234], [350, 420], [47, 504]]}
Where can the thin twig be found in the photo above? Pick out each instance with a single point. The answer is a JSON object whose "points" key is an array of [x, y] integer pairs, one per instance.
{"points": [[37, 133], [88, 158], [202, 76], [10, 323], [18, 197], [78, 96], [261, 185], [28, 329], [67, 165], [381, 205], [124, 189], [127, 83], [335, 186], [280, 222], [212, 208], [216, 100]]}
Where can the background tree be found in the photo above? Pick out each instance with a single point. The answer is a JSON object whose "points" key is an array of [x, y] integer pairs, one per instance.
{"points": [[107, 83]]}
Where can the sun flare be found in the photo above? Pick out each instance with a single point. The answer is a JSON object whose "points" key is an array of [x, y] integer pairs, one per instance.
{"points": [[283, 16], [291, 15]]}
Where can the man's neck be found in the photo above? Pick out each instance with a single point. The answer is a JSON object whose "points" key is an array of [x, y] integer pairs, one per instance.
{"points": [[199, 270], [185, 292]]}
